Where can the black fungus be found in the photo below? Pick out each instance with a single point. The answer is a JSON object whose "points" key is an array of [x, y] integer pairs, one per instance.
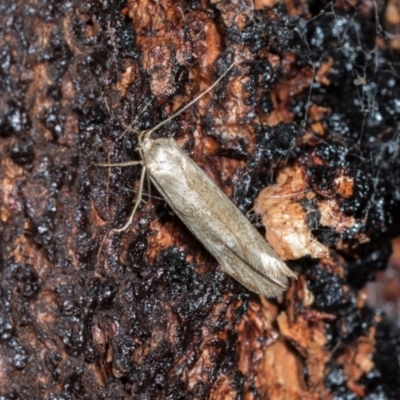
{"points": [[273, 143]]}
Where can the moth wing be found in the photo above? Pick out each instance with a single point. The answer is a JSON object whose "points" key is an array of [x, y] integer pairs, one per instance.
{"points": [[266, 261], [237, 246], [255, 263], [254, 280]]}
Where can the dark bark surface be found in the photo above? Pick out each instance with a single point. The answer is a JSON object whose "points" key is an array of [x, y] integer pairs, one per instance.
{"points": [[311, 107]]}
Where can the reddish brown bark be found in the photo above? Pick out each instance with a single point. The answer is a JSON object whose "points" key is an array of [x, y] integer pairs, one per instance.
{"points": [[86, 313]]}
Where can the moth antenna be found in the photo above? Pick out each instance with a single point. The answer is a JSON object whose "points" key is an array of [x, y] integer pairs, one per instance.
{"points": [[209, 89], [128, 128], [124, 164], [150, 131]]}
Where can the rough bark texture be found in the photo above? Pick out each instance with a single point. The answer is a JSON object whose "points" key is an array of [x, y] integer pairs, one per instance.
{"points": [[87, 313]]}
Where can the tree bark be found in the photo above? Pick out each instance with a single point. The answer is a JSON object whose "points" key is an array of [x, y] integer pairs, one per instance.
{"points": [[305, 126]]}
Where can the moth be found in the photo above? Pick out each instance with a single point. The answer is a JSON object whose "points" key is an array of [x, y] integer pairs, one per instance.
{"points": [[208, 213]]}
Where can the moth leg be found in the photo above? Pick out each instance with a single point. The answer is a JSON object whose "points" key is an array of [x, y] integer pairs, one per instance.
{"points": [[138, 200], [148, 185], [140, 192]]}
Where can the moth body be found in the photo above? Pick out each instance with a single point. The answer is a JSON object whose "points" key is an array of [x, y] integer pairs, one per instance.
{"points": [[215, 221]]}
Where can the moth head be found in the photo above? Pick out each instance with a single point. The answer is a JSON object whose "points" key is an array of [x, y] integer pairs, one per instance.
{"points": [[145, 143]]}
